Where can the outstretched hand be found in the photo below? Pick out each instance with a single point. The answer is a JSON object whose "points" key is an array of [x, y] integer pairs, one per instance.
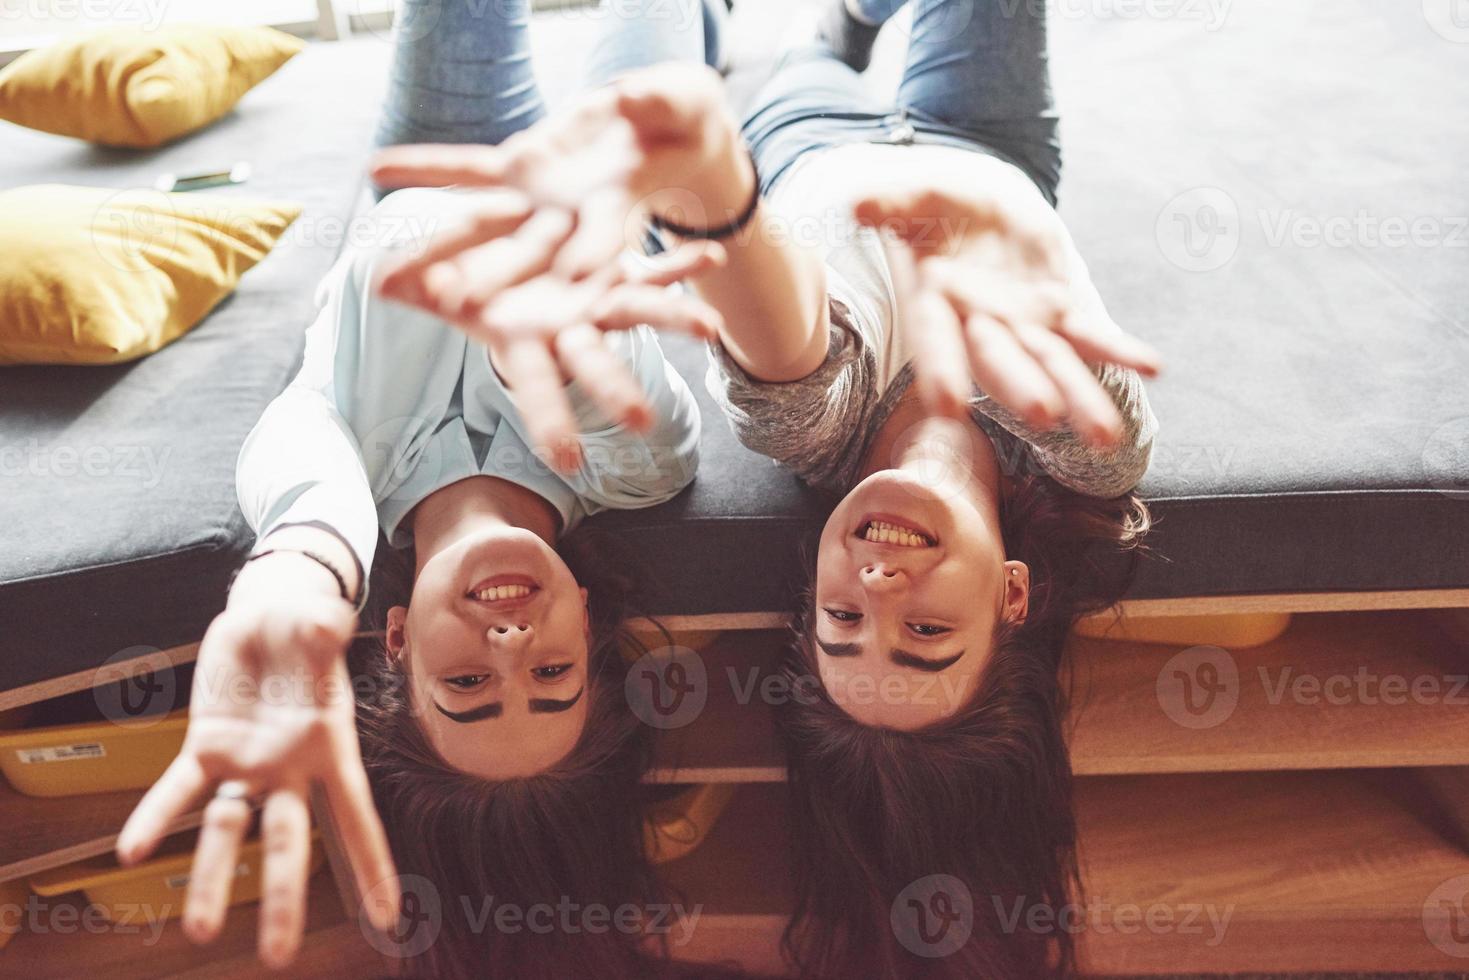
{"points": [[490, 277], [984, 295], [606, 161], [271, 713], [545, 265]]}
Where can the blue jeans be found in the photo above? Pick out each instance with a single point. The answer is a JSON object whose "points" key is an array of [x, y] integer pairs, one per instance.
{"points": [[462, 68], [976, 77]]}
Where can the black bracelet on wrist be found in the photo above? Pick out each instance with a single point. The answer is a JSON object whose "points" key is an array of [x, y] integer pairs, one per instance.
{"points": [[356, 562], [722, 231], [322, 560]]}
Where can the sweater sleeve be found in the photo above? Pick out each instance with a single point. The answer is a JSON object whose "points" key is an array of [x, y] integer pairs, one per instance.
{"points": [[301, 461]]}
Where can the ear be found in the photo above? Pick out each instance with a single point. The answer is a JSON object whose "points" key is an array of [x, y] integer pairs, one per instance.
{"points": [[1016, 603], [586, 611], [397, 630]]}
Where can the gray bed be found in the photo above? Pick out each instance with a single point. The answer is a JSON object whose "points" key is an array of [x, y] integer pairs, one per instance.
{"points": [[1315, 415]]}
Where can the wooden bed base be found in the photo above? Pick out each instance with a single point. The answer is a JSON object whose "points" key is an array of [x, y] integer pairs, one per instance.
{"points": [[1190, 606]]}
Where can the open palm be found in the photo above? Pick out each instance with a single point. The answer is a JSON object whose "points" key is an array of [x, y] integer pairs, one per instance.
{"points": [[271, 712], [986, 295]]}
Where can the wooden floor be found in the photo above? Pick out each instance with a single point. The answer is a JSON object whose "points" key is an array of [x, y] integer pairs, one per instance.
{"points": [[1316, 819]]}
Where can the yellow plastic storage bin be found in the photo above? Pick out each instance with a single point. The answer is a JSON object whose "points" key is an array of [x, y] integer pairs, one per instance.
{"points": [[154, 890], [91, 757], [674, 827], [651, 639], [1233, 631]]}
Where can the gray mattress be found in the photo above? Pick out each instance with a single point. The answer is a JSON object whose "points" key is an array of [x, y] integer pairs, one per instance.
{"points": [[1315, 416], [138, 551]]}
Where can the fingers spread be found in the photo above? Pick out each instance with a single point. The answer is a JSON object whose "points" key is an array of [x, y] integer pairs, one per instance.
{"points": [[225, 821], [460, 287], [605, 221], [604, 376], [285, 833], [535, 383], [1092, 414], [361, 831], [1009, 374], [930, 221], [689, 259], [176, 792], [439, 165], [1035, 301], [932, 333], [627, 306], [1112, 347], [494, 217]]}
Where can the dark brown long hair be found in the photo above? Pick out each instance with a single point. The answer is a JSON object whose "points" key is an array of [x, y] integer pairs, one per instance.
{"points": [[570, 837], [982, 798]]}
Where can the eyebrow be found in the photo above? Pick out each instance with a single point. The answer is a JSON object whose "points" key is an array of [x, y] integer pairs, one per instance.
{"points": [[900, 657], [547, 706], [540, 706], [492, 710]]}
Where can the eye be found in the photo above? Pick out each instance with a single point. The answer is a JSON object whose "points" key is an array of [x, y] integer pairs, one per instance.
{"points": [[550, 673], [843, 615], [466, 682], [928, 629]]}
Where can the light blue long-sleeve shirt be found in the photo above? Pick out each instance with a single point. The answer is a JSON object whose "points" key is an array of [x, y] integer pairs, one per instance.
{"points": [[392, 403]]}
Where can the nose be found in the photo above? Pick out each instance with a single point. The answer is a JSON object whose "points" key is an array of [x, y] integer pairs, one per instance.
{"points": [[513, 635], [878, 577]]}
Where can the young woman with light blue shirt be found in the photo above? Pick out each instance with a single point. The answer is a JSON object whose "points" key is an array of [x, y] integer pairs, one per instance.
{"points": [[498, 756]]}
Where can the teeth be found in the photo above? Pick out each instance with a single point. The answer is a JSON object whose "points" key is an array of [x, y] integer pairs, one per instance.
{"points": [[497, 592], [881, 532]]}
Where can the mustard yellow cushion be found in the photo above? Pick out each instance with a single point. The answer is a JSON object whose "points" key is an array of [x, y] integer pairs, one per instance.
{"points": [[131, 87], [95, 276]]}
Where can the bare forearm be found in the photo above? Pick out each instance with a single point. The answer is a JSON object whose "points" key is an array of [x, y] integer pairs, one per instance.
{"points": [[288, 565], [771, 292]]}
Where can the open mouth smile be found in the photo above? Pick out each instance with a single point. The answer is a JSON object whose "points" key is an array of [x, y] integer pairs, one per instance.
{"points": [[890, 532], [503, 589]]}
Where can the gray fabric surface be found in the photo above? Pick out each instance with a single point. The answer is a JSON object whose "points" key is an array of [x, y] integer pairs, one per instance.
{"points": [[136, 547], [1315, 415], [1314, 420]]}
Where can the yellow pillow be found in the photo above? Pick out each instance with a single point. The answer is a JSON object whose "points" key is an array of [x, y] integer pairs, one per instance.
{"points": [[131, 87], [96, 276]]}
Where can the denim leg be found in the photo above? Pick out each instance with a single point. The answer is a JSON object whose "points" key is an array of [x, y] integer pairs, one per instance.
{"points": [[807, 104], [981, 66], [461, 73], [639, 33]]}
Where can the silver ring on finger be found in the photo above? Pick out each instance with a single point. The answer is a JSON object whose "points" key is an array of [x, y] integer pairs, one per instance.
{"points": [[234, 789]]}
